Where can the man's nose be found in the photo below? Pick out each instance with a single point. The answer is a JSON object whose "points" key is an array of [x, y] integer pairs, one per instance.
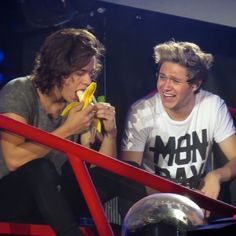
{"points": [[88, 78], [167, 83]]}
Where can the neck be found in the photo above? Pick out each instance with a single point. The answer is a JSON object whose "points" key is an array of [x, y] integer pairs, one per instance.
{"points": [[181, 113], [178, 115], [51, 103]]}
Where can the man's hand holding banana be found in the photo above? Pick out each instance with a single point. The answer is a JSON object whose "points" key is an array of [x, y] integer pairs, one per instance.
{"points": [[106, 114], [99, 116]]}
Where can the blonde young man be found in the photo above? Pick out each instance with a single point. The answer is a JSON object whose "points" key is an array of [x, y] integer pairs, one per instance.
{"points": [[171, 133]]}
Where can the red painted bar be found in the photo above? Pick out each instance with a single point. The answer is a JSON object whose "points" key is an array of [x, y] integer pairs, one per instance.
{"points": [[92, 199], [34, 230], [114, 165], [25, 229]]}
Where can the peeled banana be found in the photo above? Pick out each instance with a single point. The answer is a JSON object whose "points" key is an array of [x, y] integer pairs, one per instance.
{"points": [[87, 97], [67, 109]]}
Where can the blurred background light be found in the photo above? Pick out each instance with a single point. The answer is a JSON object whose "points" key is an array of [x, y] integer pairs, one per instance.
{"points": [[2, 56]]}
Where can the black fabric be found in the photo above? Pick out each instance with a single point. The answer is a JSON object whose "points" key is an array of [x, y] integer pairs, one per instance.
{"points": [[194, 182], [108, 185], [35, 193], [32, 194], [135, 192]]}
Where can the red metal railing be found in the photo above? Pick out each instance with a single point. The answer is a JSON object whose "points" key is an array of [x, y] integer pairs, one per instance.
{"points": [[77, 154]]}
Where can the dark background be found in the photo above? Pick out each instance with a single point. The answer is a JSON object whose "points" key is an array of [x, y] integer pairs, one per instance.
{"points": [[129, 35]]}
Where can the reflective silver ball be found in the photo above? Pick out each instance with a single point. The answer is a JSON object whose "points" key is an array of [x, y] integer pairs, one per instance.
{"points": [[166, 210]]}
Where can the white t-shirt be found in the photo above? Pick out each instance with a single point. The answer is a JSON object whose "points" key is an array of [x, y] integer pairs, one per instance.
{"points": [[176, 149]]}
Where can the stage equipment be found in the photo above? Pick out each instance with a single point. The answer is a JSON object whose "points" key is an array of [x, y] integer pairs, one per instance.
{"points": [[162, 214]]}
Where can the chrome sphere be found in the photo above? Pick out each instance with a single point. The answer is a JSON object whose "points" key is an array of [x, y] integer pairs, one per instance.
{"points": [[164, 213]]}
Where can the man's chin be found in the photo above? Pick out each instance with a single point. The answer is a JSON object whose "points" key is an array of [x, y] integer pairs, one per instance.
{"points": [[169, 104]]}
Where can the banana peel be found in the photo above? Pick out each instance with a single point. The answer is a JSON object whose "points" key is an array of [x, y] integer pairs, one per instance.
{"points": [[87, 97], [67, 109]]}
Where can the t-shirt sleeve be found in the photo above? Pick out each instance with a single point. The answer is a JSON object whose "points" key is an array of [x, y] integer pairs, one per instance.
{"points": [[14, 98], [224, 123], [135, 132]]}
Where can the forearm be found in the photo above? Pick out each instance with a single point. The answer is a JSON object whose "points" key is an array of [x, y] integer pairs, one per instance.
{"points": [[213, 179], [18, 152], [227, 172], [108, 145], [24, 153]]}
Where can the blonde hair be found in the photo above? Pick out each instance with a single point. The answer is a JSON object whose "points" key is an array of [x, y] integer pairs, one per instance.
{"points": [[186, 54]]}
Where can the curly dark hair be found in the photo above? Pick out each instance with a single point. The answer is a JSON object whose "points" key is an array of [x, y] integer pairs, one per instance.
{"points": [[63, 53]]}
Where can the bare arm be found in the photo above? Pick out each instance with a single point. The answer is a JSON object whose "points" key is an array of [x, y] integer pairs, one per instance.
{"points": [[228, 171], [18, 151], [132, 156], [108, 140], [214, 178]]}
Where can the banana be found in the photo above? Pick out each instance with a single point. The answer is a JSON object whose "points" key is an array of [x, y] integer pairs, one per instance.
{"points": [[67, 109], [87, 97]]}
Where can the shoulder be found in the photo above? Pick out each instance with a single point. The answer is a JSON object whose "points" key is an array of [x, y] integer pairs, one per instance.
{"points": [[18, 85], [211, 107], [142, 113], [207, 98], [146, 103], [18, 96], [20, 82], [18, 90]]}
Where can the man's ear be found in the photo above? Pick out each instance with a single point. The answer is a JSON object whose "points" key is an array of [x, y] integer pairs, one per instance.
{"points": [[196, 85]]}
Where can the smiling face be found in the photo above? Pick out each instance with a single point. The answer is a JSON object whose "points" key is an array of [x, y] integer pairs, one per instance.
{"points": [[78, 80], [177, 95]]}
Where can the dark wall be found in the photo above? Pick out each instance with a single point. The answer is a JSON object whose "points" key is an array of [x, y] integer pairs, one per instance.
{"points": [[131, 35], [11, 20]]}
